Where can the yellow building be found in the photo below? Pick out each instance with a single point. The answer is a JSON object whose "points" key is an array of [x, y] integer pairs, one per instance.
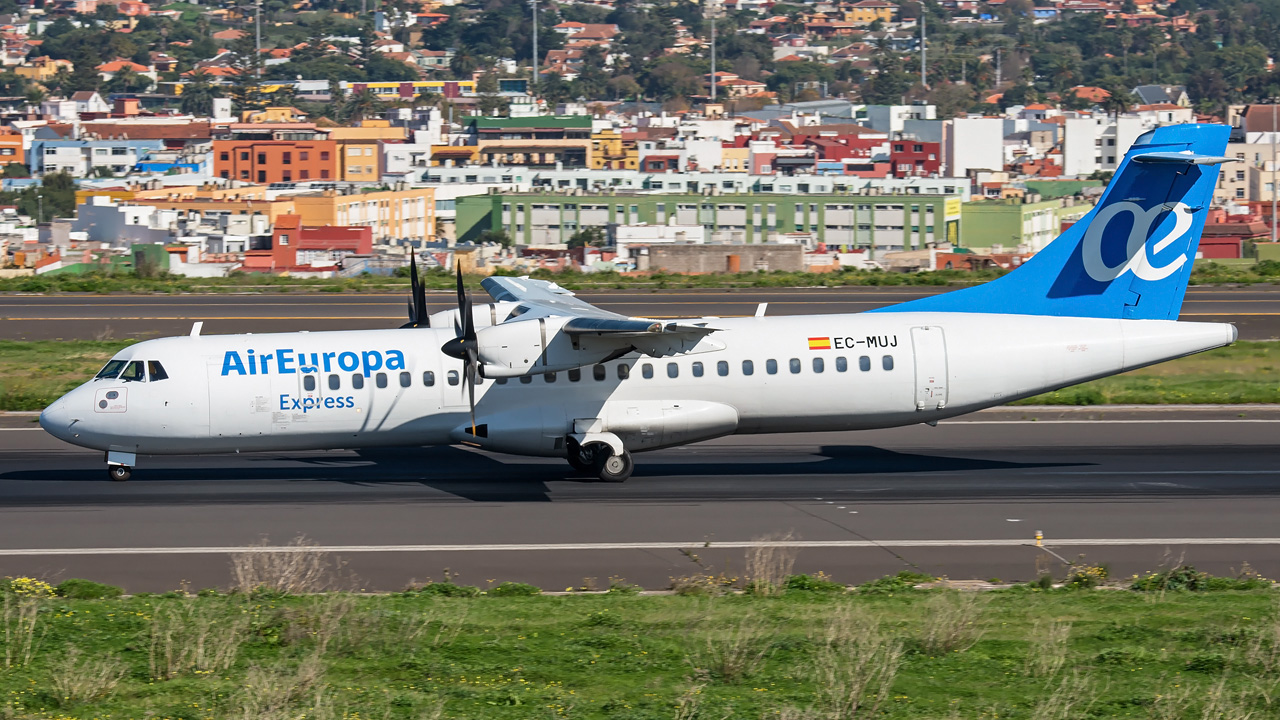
{"points": [[42, 69], [868, 11], [443, 155], [209, 192], [278, 114], [735, 160], [359, 149], [610, 152], [408, 213]]}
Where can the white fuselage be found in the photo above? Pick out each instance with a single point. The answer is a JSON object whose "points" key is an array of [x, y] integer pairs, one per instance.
{"points": [[229, 393]]}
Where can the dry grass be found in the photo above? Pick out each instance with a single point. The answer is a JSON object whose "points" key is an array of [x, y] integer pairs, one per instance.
{"points": [[21, 618], [1071, 699], [689, 704], [81, 679], [769, 564], [855, 666], [284, 693], [190, 636], [1222, 703], [736, 653], [953, 622], [297, 568], [1048, 648]]}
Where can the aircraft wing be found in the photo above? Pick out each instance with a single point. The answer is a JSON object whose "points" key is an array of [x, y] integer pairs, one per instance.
{"points": [[543, 299]]}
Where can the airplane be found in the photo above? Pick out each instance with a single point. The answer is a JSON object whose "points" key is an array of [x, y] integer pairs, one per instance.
{"points": [[539, 372]]}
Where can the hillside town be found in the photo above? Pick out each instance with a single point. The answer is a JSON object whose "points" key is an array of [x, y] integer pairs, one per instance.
{"points": [[334, 139]]}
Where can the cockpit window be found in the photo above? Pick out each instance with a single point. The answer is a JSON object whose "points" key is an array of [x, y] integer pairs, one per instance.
{"points": [[133, 372], [156, 371], [111, 370]]}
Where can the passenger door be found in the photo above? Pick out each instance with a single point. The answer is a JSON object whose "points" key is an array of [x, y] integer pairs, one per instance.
{"points": [[930, 348]]}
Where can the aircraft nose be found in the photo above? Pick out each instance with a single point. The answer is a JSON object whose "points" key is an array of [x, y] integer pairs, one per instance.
{"points": [[56, 420]]}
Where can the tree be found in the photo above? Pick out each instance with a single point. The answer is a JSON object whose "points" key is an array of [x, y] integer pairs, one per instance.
{"points": [[498, 237], [592, 236], [362, 104], [246, 90], [198, 96]]}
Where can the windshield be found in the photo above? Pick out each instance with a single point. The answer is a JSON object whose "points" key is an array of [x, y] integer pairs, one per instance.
{"points": [[133, 372], [111, 370]]}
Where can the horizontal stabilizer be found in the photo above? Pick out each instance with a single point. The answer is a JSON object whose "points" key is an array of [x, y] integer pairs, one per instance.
{"points": [[1181, 158]]}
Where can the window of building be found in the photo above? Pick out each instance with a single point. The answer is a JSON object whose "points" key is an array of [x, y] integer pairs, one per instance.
{"points": [[748, 367], [795, 365], [452, 377], [428, 378], [303, 156], [287, 158], [864, 363], [886, 362], [842, 364], [722, 369], [335, 382], [353, 152], [224, 157], [244, 174], [244, 156], [771, 366], [324, 174], [304, 174], [646, 370], [357, 381], [598, 372], [673, 370], [818, 365], [262, 158], [697, 369], [262, 176], [324, 155]]}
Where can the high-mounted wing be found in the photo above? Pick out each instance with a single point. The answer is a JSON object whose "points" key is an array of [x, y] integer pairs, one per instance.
{"points": [[552, 330]]}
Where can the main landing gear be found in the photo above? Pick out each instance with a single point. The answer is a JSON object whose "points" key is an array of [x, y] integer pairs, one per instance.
{"points": [[600, 459], [119, 473]]}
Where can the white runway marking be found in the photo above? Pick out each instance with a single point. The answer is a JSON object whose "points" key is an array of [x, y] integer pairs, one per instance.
{"points": [[552, 547]]}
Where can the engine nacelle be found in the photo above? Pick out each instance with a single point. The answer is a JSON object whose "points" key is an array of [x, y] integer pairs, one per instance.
{"points": [[526, 347]]}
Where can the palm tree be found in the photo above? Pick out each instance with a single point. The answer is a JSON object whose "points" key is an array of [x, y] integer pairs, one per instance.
{"points": [[361, 104], [198, 96]]}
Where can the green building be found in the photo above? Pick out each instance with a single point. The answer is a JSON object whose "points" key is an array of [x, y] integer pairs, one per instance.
{"points": [[844, 221], [1013, 222]]}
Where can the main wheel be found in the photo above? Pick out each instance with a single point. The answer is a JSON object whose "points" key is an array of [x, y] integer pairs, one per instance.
{"points": [[580, 458], [119, 473], [615, 468]]}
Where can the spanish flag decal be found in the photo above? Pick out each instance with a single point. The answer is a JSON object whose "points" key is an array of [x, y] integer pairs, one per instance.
{"points": [[820, 343]]}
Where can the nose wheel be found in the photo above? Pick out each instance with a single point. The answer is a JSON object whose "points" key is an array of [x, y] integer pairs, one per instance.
{"points": [[119, 473]]}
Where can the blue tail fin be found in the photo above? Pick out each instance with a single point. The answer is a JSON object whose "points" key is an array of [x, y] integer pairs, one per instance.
{"points": [[1131, 256]]}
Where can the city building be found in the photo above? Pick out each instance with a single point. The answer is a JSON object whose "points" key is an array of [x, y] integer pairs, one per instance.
{"points": [[276, 153]]}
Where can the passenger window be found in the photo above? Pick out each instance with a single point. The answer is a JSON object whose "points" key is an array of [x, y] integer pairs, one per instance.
{"points": [[647, 371], [335, 382], [597, 372], [405, 379], [526, 379], [624, 372], [864, 363], [673, 370], [309, 383], [357, 381], [842, 364], [722, 369], [771, 366], [697, 369], [549, 377], [575, 375], [133, 372], [748, 367], [428, 378], [795, 365], [380, 379], [155, 371], [886, 362], [451, 377], [818, 365], [111, 370]]}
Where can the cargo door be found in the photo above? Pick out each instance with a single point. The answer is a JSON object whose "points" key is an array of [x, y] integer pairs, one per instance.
{"points": [[930, 348]]}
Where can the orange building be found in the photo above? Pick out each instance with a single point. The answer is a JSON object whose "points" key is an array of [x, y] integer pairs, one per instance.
{"points": [[269, 161], [11, 149]]}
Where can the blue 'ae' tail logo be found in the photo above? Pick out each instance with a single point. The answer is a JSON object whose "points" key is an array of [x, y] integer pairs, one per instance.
{"points": [[1140, 255]]}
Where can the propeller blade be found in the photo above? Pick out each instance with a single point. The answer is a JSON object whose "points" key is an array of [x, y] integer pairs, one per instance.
{"points": [[417, 297], [470, 372]]}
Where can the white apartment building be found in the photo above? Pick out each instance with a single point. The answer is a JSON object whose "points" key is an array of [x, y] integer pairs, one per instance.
{"points": [[973, 144]]}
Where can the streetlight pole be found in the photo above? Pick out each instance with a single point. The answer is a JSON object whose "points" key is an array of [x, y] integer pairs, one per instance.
{"points": [[534, 5], [1273, 169], [257, 31], [923, 50]]}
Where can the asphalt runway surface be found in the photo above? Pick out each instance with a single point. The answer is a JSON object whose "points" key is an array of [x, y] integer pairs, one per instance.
{"points": [[1137, 488], [1256, 312]]}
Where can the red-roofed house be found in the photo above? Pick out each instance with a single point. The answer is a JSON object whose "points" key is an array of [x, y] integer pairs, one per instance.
{"points": [[109, 70], [1095, 95]]}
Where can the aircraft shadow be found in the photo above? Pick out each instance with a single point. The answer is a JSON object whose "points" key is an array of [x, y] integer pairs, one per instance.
{"points": [[480, 477]]}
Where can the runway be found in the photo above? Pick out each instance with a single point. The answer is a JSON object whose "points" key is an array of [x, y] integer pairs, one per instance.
{"points": [[1132, 487], [1255, 311]]}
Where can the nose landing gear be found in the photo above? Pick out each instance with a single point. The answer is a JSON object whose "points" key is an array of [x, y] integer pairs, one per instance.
{"points": [[120, 465]]}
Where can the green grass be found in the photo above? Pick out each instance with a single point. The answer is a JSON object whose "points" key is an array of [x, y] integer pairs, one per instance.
{"points": [[35, 373], [641, 657]]}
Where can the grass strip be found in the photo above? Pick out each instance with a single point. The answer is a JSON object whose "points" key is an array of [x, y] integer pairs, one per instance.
{"points": [[35, 373], [887, 650]]}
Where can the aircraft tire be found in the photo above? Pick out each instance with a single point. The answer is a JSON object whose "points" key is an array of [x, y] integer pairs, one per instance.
{"points": [[580, 459], [119, 473], [616, 468]]}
